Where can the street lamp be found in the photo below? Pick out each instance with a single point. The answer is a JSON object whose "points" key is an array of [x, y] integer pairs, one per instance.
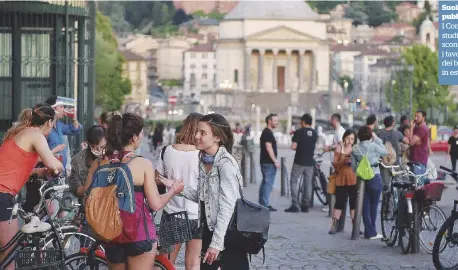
{"points": [[393, 82], [346, 86], [411, 70]]}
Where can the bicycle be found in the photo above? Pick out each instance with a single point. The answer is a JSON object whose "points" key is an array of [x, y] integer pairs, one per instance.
{"points": [[94, 256], [447, 236], [319, 182], [403, 209], [27, 243]]}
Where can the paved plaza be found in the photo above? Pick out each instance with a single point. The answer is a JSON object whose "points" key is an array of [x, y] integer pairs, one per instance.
{"points": [[301, 240]]}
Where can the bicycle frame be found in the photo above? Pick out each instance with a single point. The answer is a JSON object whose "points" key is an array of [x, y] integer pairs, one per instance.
{"points": [[19, 238]]}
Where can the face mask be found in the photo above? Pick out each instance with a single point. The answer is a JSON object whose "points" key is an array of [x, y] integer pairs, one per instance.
{"points": [[97, 153]]}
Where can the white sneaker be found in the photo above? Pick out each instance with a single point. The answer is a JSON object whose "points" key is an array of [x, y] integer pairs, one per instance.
{"points": [[377, 237], [325, 209]]}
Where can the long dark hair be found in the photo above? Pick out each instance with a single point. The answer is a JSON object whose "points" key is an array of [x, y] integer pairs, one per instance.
{"points": [[188, 130], [121, 129], [220, 128], [349, 132], [36, 117]]}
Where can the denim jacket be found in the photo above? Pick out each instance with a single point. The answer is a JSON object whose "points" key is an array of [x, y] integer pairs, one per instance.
{"points": [[374, 149], [219, 189]]}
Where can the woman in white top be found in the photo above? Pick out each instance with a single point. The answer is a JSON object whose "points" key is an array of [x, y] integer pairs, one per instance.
{"points": [[181, 161]]}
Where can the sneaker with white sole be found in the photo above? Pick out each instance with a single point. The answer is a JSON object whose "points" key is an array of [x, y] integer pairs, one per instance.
{"points": [[377, 237], [325, 209]]}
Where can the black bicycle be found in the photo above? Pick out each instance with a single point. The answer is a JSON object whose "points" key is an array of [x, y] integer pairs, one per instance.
{"points": [[27, 245], [319, 182]]}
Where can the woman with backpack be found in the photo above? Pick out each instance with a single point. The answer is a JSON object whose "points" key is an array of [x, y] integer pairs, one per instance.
{"points": [[217, 192], [181, 161], [372, 148], [23, 145], [345, 178], [124, 136]]}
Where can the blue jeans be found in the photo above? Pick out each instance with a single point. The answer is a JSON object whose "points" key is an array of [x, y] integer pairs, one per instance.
{"points": [[268, 178], [372, 192]]}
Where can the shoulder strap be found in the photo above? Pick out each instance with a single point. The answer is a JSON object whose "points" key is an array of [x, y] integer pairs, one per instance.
{"points": [[163, 152], [238, 181]]}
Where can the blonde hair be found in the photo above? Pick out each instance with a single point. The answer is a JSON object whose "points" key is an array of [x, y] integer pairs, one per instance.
{"points": [[25, 121], [189, 129], [37, 116]]}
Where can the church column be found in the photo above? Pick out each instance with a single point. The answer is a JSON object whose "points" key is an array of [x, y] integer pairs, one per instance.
{"points": [[312, 85], [300, 70], [274, 70], [246, 70], [288, 83], [261, 69]]}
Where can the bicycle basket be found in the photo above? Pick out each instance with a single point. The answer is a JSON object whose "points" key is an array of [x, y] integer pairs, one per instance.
{"points": [[174, 229], [431, 192], [49, 259]]}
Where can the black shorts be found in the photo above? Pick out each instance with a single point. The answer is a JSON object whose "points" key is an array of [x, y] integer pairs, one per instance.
{"points": [[344, 193], [6, 201], [119, 253]]}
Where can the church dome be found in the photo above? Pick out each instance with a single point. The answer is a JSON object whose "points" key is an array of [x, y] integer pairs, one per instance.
{"points": [[296, 10]]}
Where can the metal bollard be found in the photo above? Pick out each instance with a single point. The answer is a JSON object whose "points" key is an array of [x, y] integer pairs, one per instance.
{"points": [[252, 170], [282, 176], [243, 168], [416, 230], [358, 210]]}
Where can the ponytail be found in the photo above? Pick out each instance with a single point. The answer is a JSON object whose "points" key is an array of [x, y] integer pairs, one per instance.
{"points": [[25, 121], [114, 134]]}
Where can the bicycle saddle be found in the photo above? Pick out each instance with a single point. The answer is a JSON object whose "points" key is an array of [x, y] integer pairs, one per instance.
{"points": [[36, 226], [402, 184]]}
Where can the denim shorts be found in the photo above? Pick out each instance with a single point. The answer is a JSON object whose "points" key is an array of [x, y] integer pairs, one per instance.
{"points": [[6, 201]]}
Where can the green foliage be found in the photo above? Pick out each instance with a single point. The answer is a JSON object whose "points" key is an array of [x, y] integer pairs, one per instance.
{"points": [[341, 81], [142, 16], [110, 86], [171, 83], [427, 92], [324, 6], [212, 15], [374, 13]]}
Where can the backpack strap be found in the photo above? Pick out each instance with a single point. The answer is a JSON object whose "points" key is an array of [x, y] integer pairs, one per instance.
{"points": [[163, 152]]}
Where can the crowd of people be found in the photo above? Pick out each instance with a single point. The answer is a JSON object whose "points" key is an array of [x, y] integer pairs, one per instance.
{"points": [[410, 142], [198, 173]]}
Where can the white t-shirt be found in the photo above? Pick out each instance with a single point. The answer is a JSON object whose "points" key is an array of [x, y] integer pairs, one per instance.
{"points": [[181, 165], [340, 131]]}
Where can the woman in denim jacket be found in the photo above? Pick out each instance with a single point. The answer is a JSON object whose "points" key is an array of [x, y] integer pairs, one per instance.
{"points": [[373, 147], [217, 193]]}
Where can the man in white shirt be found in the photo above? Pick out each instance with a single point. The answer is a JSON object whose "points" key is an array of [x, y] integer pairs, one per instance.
{"points": [[335, 121]]}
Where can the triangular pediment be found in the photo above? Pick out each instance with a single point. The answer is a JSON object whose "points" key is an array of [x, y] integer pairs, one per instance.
{"points": [[281, 33]]}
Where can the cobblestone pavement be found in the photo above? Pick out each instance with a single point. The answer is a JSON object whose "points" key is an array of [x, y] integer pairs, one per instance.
{"points": [[301, 240]]}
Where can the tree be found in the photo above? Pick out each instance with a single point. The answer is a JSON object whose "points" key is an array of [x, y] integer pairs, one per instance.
{"points": [[357, 13], [378, 13], [111, 87], [341, 81], [426, 90]]}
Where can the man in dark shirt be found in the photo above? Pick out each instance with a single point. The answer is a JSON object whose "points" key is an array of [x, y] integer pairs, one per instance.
{"points": [[453, 148], [268, 160], [304, 142]]}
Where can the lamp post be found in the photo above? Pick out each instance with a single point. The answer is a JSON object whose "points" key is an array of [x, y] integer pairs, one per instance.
{"points": [[411, 70], [393, 82]]}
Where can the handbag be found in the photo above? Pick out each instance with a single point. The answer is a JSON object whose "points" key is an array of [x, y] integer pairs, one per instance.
{"points": [[364, 169], [248, 228], [332, 184]]}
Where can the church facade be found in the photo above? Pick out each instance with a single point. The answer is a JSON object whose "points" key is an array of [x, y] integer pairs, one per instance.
{"points": [[272, 55]]}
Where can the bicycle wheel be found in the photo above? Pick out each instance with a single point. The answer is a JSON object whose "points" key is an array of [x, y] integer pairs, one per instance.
{"points": [[447, 236], [388, 219], [404, 224], [432, 217], [72, 241], [162, 263], [319, 186], [79, 260]]}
